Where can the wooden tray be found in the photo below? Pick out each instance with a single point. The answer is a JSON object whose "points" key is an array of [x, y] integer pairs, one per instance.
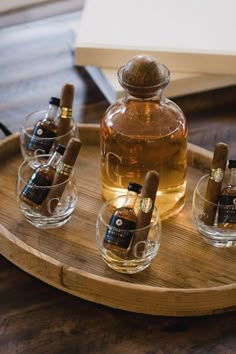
{"points": [[188, 277]]}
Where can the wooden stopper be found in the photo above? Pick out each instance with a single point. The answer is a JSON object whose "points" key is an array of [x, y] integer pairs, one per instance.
{"points": [[62, 174], [148, 196], [214, 184], [142, 76]]}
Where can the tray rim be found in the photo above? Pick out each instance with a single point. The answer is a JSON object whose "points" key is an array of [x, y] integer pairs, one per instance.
{"points": [[31, 250], [179, 295], [9, 238]]}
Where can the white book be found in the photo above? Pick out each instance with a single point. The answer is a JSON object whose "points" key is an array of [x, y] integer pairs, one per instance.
{"points": [[185, 35], [9, 5], [180, 83]]}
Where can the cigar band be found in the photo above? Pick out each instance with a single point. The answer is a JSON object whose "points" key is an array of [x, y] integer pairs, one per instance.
{"points": [[217, 174], [146, 205], [64, 169], [66, 112]]}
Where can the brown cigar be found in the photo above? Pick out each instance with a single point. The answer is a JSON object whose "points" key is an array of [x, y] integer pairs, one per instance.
{"points": [[63, 173], [214, 184], [64, 123], [67, 96], [148, 196]]}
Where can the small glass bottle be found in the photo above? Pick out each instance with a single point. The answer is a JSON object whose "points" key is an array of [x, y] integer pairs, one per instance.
{"points": [[43, 176], [145, 131], [44, 129], [119, 235], [227, 200]]}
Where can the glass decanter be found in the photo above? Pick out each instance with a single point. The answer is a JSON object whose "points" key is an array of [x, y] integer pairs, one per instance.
{"points": [[145, 131]]}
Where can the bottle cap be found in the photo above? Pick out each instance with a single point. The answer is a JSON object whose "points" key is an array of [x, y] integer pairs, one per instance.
{"points": [[60, 149], [134, 187], [55, 101], [142, 76], [232, 164]]}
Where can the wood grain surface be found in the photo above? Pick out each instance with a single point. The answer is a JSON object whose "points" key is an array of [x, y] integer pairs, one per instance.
{"points": [[36, 317], [188, 277]]}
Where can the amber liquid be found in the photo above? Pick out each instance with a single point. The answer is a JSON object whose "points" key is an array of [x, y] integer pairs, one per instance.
{"points": [[138, 137]]}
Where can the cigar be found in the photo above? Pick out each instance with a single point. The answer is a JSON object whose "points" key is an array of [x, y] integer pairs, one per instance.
{"points": [[67, 96], [64, 124], [148, 196], [214, 183], [62, 174]]}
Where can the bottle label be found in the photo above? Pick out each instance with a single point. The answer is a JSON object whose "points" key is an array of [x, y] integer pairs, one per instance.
{"points": [[41, 140], [119, 232], [33, 192], [227, 209]]}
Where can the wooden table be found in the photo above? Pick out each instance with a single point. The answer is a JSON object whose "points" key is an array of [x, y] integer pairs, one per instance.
{"points": [[36, 318]]}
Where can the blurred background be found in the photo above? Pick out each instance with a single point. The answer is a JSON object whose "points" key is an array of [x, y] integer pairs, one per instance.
{"points": [[37, 46]]}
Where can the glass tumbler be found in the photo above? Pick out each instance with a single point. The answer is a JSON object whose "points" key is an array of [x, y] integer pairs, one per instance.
{"points": [[217, 234], [53, 205], [45, 145], [138, 255]]}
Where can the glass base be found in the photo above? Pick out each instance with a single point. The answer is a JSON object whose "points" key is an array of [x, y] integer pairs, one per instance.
{"points": [[43, 222], [127, 266], [127, 269], [219, 244], [217, 237]]}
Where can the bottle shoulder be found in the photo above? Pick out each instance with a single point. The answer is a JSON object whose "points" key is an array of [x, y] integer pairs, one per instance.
{"points": [[126, 212], [145, 117], [48, 123], [139, 104], [229, 190], [46, 172]]}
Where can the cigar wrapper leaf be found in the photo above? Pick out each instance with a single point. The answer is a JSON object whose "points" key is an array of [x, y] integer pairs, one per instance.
{"points": [[148, 196], [214, 184]]}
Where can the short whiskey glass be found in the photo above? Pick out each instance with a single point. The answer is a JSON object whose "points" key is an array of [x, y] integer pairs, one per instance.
{"points": [[139, 255], [45, 145], [217, 234], [57, 203]]}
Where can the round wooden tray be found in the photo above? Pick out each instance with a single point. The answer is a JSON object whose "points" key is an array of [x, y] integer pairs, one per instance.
{"points": [[188, 277]]}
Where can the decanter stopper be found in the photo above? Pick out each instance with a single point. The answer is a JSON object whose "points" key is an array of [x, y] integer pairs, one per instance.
{"points": [[142, 75]]}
